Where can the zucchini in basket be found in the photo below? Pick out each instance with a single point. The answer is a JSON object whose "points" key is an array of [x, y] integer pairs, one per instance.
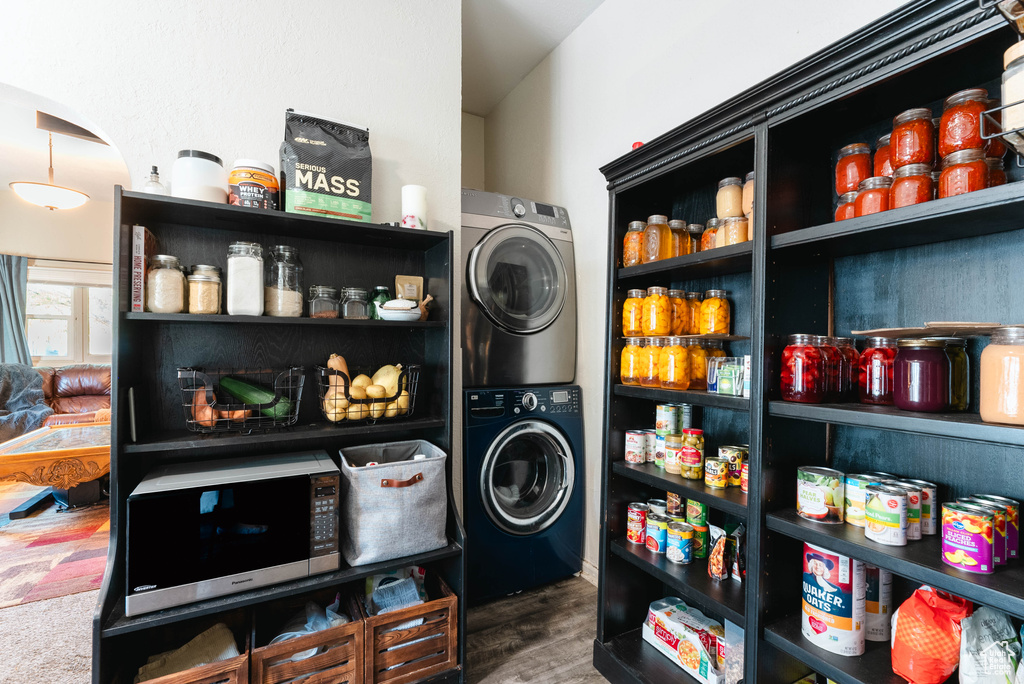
{"points": [[248, 393]]}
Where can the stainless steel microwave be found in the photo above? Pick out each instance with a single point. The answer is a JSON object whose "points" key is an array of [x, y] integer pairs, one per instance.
{"points": [[200, 530]]}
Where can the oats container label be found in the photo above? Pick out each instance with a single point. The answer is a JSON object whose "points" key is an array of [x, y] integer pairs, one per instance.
{"points": [[666, 419], [967, 536], [819, 494], [673, 504], [657, 532], [650, 445], [659, 506], [680, 542], [999, 520], [878, 604], [716, 473], [886, 509], [1012, 522], [635, 447], [745, 478], [636, 523], [701, 536], [855, 496], [834, 601], [913, 507], [696, 513], [929, 506]]}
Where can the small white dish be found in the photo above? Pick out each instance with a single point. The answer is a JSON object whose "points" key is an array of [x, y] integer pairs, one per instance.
{"points": [[398, 314]]}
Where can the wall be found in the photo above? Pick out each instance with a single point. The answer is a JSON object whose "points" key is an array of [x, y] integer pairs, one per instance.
{"points": [[82, 234], [601, 90], [472, 151]]}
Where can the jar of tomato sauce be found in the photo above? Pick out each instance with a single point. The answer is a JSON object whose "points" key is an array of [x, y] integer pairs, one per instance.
{"points": [[876, 371], [851, 368], [680, 312], [911, 184], [629, 367], [960, 126], [657, 312], [846, 208], [802, 376], [680, 239], [693, 300], [872, 196], [650, 358], [852, 166], [710, 236], [883, 158], [632, 244], [996, 146], [657, 239], [913, 138], [996, 171], [833, 361], [632, 313], [962, 172]]}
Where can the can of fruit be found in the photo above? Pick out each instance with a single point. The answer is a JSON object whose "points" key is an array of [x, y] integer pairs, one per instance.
{"points": [[635, 446], [716, 473], [886, 515], [696, 513], [659, 450], [666, 419], [855, 495], [967, 536], [673, 504], [999, 520], [929, 507], [745, 478], [700, 540], [659, 506], [1012, 522], [650, 445], [657, 532], [636, 522], [913, 507], [819, 494], [680, 542]]}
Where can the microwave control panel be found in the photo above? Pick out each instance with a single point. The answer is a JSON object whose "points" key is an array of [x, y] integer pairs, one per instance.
{"points": [[324, 516]]}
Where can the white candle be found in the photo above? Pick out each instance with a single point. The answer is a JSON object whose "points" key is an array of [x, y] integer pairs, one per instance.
{"points": [[414, 207]]}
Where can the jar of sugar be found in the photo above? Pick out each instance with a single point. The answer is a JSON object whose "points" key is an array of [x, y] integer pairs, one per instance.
{"points": [[245, 279]]}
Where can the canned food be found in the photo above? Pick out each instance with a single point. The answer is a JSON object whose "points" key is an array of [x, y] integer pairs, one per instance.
{"points": [[696, 513], [650, 445], [745, 478], [1012, 522], [855, 496], [636, 523], [673, 504], [882, 476], [657, 532], [716, 473], [680, 542], [659, 506], [685, 416], [666, 419], [878, 603], [819, 494], [886, 510], [999, 520], [659, 450], [635, 446], [967, 537], [733, 454], [834, 605], [735, 474], [701, 537], [913, 507], [929, 506]]}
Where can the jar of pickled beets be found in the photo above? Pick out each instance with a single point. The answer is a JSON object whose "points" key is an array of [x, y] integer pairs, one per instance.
{"points": [[921, 373], [911, 184], [876, 371], [913, 138], [803, 370], [852, 166], [846, 209], [960, 126]]}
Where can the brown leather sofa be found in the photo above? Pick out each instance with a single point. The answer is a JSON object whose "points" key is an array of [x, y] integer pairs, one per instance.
{"points": [[76, 393]]}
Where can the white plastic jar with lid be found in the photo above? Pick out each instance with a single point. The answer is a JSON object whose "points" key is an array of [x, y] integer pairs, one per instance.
{"points": [[165, 285], [199, 175], [245, 279]]}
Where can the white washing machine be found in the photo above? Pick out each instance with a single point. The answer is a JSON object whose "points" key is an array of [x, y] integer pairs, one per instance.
{"points": [[518, 292]]}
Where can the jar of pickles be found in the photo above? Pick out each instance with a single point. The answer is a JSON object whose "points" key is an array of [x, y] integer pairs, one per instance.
{"points": [[912, 184], [962, 172], [693, 304], [680, 238], [802, 377], [698, 365], [695, 231], [876, 371], [729, 199], [709, 237], [960, 125], [680, 312], [921, 373], [657, 239], [833, 361], [1002, 377], [632, 244], [632, 313], [883, 158], [674, 365], [657, 312], [846, 209], [872, 196], [691, 455], [733, 230], [715, 316], [996, 171], [851, 368], [630, 361], [913, 138], [959, 373], [650, 360], [852, 167]]}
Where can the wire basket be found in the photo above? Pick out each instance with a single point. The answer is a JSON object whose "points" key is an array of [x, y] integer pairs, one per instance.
{"points": [[338, 406], [210, 406]]}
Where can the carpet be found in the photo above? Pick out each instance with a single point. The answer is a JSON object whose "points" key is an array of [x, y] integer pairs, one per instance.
{"points": [[48, 641]]}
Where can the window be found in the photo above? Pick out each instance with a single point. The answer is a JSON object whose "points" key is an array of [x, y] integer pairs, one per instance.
{"points": [[69, 315]]}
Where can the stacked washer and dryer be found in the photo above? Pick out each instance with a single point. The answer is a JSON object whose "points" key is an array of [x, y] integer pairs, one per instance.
{"points": [[523, 419]]}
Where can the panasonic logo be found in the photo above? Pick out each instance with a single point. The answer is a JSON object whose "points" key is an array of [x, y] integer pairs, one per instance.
{"points": [[144, 587], [241, 581]]}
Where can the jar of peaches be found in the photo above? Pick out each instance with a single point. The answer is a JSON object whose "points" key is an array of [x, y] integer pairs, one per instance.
{"points": [[715, 316], [632, 313], [698, 365], [680, 312], [633, 244], [629, 367], [714, 348], [674, 365], [650, 360], [693, 304], [657, 312]]}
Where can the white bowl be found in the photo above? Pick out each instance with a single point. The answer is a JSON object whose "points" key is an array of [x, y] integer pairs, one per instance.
{"points": [[398, 314]]}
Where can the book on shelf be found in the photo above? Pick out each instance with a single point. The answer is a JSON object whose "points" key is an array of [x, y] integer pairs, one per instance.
{"points": [[143, 246]]}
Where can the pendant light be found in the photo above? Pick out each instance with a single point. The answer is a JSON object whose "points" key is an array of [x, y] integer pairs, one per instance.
{"points": [[47, 194]]}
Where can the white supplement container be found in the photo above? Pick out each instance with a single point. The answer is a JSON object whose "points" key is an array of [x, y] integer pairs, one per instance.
{"points": [[245, 279], [199, 175]]}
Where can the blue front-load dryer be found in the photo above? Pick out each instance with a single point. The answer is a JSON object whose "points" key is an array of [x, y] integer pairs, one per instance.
{"points": [[523, 488]]}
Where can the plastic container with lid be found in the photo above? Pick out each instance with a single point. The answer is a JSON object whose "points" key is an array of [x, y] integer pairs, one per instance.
{"points": [[165, 285], [680, 238], [959, 373], [748, 194], [852, 166], [913, 138], [846, 208], [921, 374], [962, 172], [283, 291], [245, 279], [199, 175], [324, 302], [803, 376], [734, 230], [680, 312], [1002, 377], [709, 238], [996, 172], [204, 290], [656, 318], [1013, 87], [632, 313], [253, 183], [883, 157], [833, 360], [850, 371], [629, 368], [650, 358], [695, 231], [674, 365], [876, 371], [729, 199], [632, 243], [911, 184], [657, 239], [960, 125], [698, 364], [872, 196], [693, 304], [715, 316], [355, 304]]}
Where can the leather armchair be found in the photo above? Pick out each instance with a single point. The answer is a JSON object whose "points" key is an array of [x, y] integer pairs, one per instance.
{"points": [[76, 393]]}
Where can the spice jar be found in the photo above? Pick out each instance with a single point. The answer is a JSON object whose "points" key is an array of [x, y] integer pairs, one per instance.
{"points": [[695, 231], [960, 125], [802, 377], [921, 373], [715, 316], [1002, 377], [691, 455], [657, 239], [165, 285], [680, 238], [205, 295], [876, 371], [657, 312], [680, 312], [872, 196], [632, 244], [996, 146], [833, 362], [673, 447], [245, 279], [354, 303], [698, 365], [883, 159], [848, 376], [846, 208], [852, 167], [959, 373], [729, 200], [323, 302], [734, 229], [996, 172], [650, 358], [693, 304], [1013, 87], [962, 172], [674, 365], [913, 138], [709, 238], [632, 313], [911, 184], [748, 194], [283, 291], [629, 368]]}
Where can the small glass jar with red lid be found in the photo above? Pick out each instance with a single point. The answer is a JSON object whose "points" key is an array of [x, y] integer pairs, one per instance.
{"points": [[962, 172], [853, 166], [850, 368], [802, 377], [845, 209], [876, 371], [960, 125], [913, 138], [833, 361], [911, 184], [996, 171], [883, 157], [872, 196], [996, 146], [921, 374]]}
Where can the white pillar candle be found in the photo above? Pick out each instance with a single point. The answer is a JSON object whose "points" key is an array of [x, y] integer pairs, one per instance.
{"points": [[414, 207]]}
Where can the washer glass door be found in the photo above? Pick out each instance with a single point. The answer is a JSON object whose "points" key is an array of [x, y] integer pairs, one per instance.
{"points": [[527, 477]]}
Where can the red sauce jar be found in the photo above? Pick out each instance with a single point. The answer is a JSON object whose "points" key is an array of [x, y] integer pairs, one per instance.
{"points": [[845, 210], [960, 126], [963, 171], [873, 196], [802, 377], [912, 184], [876, 371], [883, 159], [913, 138], [996, 146], [853, 166], [996, 171]]}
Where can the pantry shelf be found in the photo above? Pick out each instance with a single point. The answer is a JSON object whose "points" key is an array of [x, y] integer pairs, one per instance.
{"points": [[966, 426], [721, 598], [731, 500], [714, 262], [919, 560], [275, 320], [698, 398], [628, 658]]}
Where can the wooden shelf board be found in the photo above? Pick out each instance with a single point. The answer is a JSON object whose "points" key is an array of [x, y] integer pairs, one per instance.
{"points": [[274, 320], [714, 262], [628, 658], [697, 397], [731, 500]]}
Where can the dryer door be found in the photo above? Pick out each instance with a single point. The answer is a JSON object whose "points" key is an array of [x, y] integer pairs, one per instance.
{"points": [[527, 477], [518, 278]]}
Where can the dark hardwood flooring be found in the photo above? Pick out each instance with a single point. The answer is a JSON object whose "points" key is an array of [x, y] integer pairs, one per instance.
{"points": [[544, 636]]}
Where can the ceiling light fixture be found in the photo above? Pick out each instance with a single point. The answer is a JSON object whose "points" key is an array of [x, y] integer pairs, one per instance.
{"points": [[47, 194]]}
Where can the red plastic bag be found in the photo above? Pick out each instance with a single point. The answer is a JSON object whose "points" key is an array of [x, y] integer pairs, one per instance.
{"points": [[926, 636]]}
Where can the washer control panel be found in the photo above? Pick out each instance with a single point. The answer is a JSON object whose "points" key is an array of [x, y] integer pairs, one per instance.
{"points": [[487, 403]]}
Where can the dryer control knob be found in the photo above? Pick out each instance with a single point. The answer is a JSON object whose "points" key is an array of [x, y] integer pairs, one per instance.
{"points": [[530, 401], [519, 210]]}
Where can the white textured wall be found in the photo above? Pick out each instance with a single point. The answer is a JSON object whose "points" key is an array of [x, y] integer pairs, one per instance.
{"points": [[82, 234], [472, 151], [632, 71]]}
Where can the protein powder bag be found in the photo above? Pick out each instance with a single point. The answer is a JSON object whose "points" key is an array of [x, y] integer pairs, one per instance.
{"points": [[326, 168]]}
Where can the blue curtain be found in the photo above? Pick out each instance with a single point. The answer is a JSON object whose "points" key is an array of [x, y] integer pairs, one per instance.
{"points": [[13, 292]]}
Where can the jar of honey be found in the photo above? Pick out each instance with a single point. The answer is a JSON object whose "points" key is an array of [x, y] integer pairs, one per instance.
{"points": [[729, 200], [632, 313], [629, 367], [657, 312], [632, 244], [693, 304], [680, 312], [852, 166], [698, 365], [733, 230], [845, 210], [913, 138], [883, 158], [695, 231], [911, 184], [650, 359], [996, 171], [657, 239], [715, 316], [872, 196], [962, 172], [674, 365], [960, 125], [709, 238], [680, 238]]}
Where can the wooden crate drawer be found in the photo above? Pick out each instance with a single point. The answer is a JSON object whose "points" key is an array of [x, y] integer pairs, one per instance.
{"points": [[231, 671]]}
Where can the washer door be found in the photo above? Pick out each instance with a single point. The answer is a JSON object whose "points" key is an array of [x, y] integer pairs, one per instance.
{"points": [[518, 278], [527, 477]]}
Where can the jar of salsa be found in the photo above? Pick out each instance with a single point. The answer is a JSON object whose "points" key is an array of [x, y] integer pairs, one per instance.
{"points": [[850, 369], [629, 367], [996, 147], [695, 231], [680, 239], [709, 238], [715, 315], [693, 304], [959, 373], [921, 374], [729, 199], [872, 196], [1002, 377], [911, 184], [852, 166], [680, 312], [996, 171], [960, 126], [802, 377], [883, 158], [846, 207], [962, 172], [876, 371], [734, 229], [913, 138], [657, 239], [632, 313], [833, 361], [650, 358], [657, 312], [674, 365], [698, 365], [632, 244]]}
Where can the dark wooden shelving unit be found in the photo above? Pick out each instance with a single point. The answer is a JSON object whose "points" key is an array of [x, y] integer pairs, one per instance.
{"points": [[272, 320], [695, 397], [726, 260], [731, 500]]}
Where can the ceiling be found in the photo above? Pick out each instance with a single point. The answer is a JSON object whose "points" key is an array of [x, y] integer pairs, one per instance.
{"points": [[503, 40]]}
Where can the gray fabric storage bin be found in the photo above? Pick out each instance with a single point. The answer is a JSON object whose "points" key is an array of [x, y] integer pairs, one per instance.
{"points": [[393, 509]]}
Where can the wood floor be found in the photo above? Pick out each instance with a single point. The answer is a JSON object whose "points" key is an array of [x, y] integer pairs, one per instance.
{"points": [[544, 636]]}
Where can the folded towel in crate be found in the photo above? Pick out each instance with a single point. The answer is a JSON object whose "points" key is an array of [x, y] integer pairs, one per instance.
{"points": [[213, 645]]}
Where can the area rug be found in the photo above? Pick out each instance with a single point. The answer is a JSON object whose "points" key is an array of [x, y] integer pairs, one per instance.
{"points": [[14, 494]]}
